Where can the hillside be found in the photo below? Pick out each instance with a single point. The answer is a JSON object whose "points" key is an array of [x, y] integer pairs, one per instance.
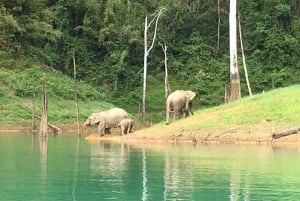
{"points": [[20, 92], [249, 120]]}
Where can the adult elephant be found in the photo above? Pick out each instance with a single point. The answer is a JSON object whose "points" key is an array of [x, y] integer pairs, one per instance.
{"points": [[179, 102], [106, 119]]}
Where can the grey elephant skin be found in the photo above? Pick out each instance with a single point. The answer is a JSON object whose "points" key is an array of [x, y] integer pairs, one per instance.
{"points": [[179, 102], [106, 119], [125, 126]]}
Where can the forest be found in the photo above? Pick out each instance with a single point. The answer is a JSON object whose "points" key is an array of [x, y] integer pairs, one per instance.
{"points": [[107, 40]]}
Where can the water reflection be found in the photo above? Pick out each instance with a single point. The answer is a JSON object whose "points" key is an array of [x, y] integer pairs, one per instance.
{"points": [[44, 163], [144, 171], [237, 185], [69, 168], [108, 164], [109, 158], [178, 178], [76, 168]]}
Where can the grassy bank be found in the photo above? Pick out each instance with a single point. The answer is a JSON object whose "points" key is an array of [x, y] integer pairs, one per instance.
{"points": [[280, 106], [259, 115], [253, 118]]}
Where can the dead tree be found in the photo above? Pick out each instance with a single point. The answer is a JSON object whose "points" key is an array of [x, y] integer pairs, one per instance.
{"points": [[244, 59], [75, 96], [146, 53], [33, 126], [44, 118], [235, 88], [167, 86], [285, 133], [53, 127], [219, 22]]}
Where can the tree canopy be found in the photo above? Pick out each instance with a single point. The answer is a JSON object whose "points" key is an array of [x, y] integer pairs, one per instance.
{"points": [[107, 40]]}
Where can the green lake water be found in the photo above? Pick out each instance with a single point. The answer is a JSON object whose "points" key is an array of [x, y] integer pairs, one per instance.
{"points": [[66, 167]]}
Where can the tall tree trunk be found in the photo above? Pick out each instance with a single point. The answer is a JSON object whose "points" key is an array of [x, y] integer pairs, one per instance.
{"points": [[244, 59], [167, 86], [33, 126], [235, 88], [145, 71], [75, 96], [146, 53], [44, 118], [219, 22]]}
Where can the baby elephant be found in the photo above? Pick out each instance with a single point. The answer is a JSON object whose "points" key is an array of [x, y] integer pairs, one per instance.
{"points": [[125, 125]]}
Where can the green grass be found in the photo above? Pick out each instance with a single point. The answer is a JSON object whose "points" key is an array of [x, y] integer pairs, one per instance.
{"points": [[280, 106], [18, 86]]}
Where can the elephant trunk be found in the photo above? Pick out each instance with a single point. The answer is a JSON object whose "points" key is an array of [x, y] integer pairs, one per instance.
{"points": [[86, 124]]}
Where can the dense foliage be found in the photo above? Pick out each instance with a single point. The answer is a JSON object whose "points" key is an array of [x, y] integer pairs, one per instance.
{"points": [[106, 38]]}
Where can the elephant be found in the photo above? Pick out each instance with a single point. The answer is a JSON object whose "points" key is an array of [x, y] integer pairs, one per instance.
{"points": [[125, 125], [106, 120], [178, 103]]}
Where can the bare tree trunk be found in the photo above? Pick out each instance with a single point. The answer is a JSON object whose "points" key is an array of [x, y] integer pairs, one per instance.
{"points": [[227, 94], [235, 88], [33, 126], [219, 22], [44, 118], [167, 86], [244, 59], [145, 71], [146, 53], [55, 128], [75, 96]]}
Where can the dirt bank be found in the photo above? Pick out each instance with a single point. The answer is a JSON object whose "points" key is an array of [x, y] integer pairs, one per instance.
{"points": [[260, 133], [179, 132]]}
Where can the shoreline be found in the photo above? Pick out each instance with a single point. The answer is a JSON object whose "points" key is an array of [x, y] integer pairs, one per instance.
{"points": [[193, 137]]}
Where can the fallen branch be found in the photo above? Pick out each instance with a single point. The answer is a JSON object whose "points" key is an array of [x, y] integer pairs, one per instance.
{"points": [[57, 129], [285, 133]]}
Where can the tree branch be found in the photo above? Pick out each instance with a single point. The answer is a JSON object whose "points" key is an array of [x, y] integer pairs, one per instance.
{"points": [[155, 30]]}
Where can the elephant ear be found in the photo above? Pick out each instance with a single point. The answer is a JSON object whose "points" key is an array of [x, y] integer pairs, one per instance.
{"points": [[191, 95], [92, 118], [97, 118]]}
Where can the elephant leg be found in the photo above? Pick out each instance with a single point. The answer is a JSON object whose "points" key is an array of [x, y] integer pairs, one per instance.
{"points": [[122, 129], [184, 113], [169, 113], [128, 129], [176, 115], [167, 116], [190, 108], [101, 129], [172, 115]]}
